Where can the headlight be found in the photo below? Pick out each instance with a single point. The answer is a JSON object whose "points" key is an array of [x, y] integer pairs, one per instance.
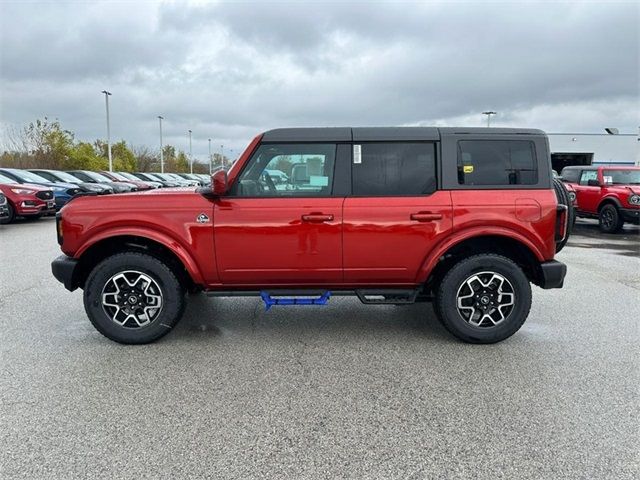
{"points": [[634, 199], [23, 191], [572, 196]]}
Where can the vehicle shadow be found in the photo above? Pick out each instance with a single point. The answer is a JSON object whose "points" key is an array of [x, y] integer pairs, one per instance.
{"points": [[587, 234], [343, 318]]}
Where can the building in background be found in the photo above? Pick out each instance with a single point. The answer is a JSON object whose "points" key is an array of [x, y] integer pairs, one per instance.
{"points": [[593, 149]]}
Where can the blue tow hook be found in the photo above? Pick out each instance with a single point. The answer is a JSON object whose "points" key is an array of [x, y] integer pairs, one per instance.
{"points": [[269, 301]]}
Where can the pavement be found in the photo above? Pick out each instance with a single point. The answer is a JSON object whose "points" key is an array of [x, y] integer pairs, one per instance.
{"points": [[342, 391]]}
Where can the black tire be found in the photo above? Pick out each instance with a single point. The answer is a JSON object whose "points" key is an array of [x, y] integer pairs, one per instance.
{"points": [[12, 214], [562, 195], [454, 284], [610, 219], [147, 269]]}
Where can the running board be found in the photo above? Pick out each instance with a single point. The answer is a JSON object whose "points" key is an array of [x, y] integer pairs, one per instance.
{"points": [[387, 296], [294, 298]]}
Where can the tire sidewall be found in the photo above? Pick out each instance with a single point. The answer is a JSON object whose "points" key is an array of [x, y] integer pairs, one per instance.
{"points": [[172, 296], [447, 299], [616, 219]]}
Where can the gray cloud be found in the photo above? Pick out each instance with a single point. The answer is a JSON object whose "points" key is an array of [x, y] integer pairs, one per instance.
{"points": [[230, 70]]}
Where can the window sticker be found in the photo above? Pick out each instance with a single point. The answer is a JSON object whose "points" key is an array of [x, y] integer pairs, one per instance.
{"points": [[608, 179], [318, 181], [467, 169], [357, 154]]}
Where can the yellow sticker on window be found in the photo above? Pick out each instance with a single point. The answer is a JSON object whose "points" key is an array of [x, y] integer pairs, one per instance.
{"points": [[467, 169]]}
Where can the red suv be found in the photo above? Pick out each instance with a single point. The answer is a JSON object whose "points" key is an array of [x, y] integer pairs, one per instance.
{"points": [[609, 193], [466, 218], [25, 200]]}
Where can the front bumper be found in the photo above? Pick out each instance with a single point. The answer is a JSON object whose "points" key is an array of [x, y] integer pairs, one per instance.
{"points": [[552, 274], [64, 269], [631, 215]]}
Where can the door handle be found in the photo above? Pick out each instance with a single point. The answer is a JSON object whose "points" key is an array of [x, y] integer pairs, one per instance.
{"points": [[425, 217], [317, 218]]}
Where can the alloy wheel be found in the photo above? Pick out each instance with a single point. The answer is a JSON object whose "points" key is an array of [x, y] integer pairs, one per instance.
{"points": [[485, 299], [132, 299]]}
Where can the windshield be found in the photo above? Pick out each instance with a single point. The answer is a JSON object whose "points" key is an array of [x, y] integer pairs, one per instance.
{"points": [[4, 179], [622, 177], [128, 176], [153, 176], [65, 177], [28, 176], [97, 177], [119, 176]]}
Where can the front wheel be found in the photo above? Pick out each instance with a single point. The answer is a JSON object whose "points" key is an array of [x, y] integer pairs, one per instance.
{"points": [[133, 298], [483, 299], [610, 219]]}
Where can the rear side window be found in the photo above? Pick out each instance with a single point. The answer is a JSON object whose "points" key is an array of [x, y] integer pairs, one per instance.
{"points": [[393, 169], [497, 162], [570, 175]]}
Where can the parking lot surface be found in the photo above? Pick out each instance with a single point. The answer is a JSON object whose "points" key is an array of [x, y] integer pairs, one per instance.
{"points": [[342, 391]]}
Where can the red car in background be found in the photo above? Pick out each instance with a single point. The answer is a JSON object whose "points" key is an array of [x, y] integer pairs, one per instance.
{"points": [[26, 200], [609, 193]]}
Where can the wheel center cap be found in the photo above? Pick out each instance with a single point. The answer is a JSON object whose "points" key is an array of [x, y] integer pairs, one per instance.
{"points": [[133, 300], [484, 299]]}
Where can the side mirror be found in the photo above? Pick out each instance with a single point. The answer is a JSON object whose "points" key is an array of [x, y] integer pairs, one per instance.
{"points": [[217, 188], [219, 183], [593, 183]]}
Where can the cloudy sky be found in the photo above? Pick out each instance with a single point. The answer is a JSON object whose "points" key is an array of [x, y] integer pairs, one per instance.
{"points": [[228, 70]]}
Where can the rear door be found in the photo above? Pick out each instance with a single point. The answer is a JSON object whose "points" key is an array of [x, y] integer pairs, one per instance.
{"points": [[395, 213], [285, 230]]}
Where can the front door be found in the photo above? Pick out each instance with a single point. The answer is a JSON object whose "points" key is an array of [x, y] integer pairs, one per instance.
{"points": [[280, 223], [588, 196], [395, 215]]}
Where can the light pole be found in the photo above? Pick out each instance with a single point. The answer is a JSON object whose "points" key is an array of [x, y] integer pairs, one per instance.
{"points": [[488, 114], [210, 159], [106, 98], [190, 154], [160, 118], [224, 164]]}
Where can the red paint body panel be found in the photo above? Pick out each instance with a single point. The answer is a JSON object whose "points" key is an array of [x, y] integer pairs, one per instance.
{"points": [[266, 241], [383, 244]]}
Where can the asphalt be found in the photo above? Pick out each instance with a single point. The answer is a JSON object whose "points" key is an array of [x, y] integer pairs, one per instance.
{"points": [[342, 391]]}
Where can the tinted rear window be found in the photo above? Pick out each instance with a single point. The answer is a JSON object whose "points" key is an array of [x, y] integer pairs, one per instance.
{"points": [[497, 162], [393, 169]]}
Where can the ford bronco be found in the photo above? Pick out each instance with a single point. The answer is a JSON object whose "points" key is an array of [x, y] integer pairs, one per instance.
{"points": [[466, 218], [609, 193]]}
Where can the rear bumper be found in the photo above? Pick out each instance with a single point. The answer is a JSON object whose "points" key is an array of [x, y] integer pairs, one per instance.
{"points": [[64, 269], [553, 273], [631, 215]]}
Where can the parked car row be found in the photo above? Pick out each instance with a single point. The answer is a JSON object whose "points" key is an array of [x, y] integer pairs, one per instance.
{"points": [[36, 192], [609, 193]]}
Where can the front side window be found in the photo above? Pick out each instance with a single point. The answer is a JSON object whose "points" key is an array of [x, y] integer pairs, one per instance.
{"points": [[393, 169], [588, 175], [288, 170], [622, 177], [497, 162]]}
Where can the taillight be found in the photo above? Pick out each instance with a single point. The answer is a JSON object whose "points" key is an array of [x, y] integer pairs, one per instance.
{"points": [[562, 219], [59, 227]]}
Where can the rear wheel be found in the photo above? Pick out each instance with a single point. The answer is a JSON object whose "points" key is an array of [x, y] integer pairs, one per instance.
{"points": [[483, 299], [610, 219], [133, 298]]}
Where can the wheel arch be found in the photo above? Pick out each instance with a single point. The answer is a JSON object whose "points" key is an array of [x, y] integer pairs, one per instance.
{"points": [[172, 253], [515, 247], [609, 200]]}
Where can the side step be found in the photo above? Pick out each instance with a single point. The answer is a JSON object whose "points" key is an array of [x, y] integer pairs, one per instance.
{"points": [[387, 296], [294, 298]]}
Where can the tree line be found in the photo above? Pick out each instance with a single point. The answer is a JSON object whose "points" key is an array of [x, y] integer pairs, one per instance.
{"points": [[45, 144]]}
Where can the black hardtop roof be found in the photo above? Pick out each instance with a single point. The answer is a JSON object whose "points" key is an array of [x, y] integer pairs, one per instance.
{"points": [[363, 134]]}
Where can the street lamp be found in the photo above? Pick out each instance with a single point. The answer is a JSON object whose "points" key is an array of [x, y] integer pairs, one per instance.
{"points": [[106, 98], [190, 154], [488, 114], [160, 118], [210, 159], [224, 164]]}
